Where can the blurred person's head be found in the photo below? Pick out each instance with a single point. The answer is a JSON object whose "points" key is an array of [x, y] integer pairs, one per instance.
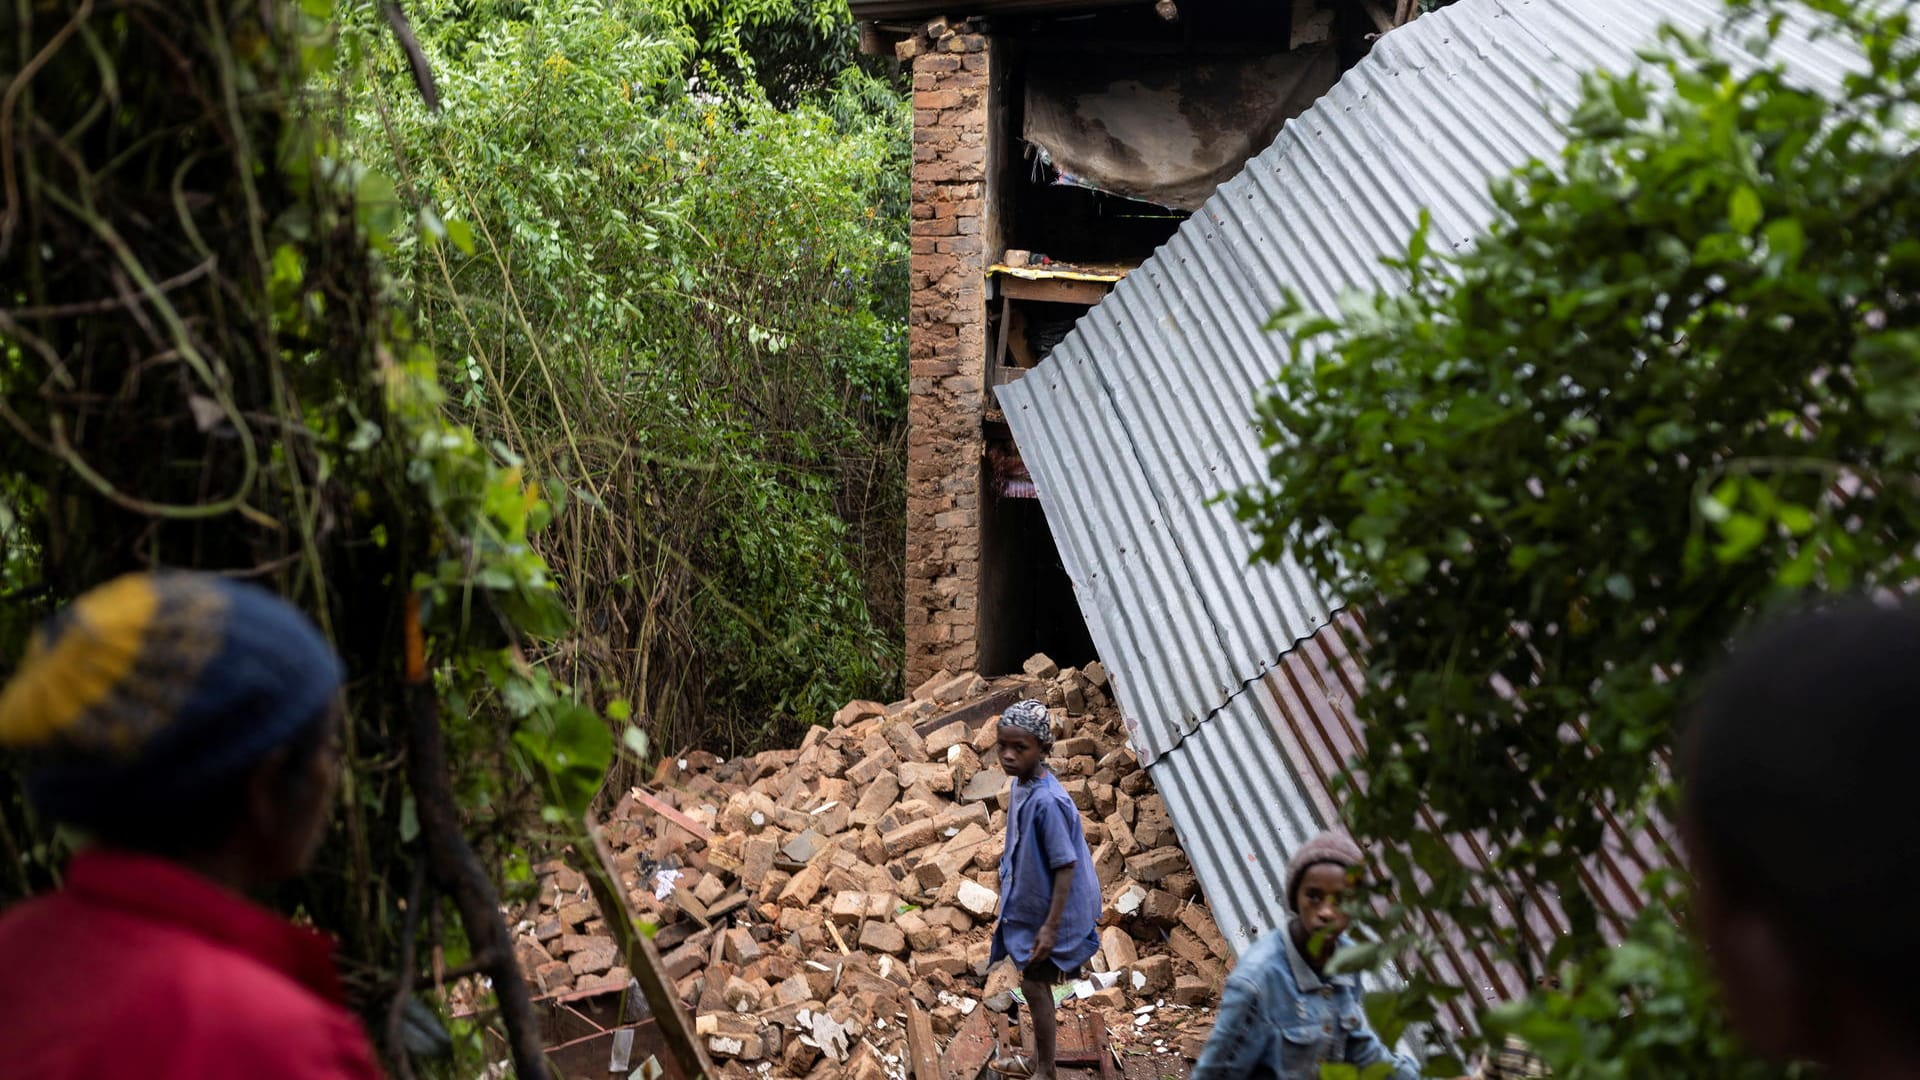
{"points": [[184, 716], [1319, 877], [1802, 816]]}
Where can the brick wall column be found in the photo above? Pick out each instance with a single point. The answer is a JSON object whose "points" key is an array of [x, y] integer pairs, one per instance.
{"points": [[947, 351]]}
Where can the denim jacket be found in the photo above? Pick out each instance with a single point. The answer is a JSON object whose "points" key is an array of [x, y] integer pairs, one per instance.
{"points": [[1280, 1019]]}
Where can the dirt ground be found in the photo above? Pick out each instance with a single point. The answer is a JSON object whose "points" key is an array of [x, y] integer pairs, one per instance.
{"points": [[1137, 1067], [1155, 1067]]}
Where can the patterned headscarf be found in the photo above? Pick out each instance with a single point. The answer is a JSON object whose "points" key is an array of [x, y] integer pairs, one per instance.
{"points": [[154, 684], [1031, 717]]}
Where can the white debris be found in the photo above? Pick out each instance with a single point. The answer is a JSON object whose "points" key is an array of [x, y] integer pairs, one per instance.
{"points": [[664, 882], [825, 1033]]}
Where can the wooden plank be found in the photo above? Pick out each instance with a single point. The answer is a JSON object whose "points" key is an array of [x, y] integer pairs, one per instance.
{"points": [[643, 960], [1055, 290], [1023, 266], [999, 358], [971, 1048], [664, 809], [970, 715], [1019, 349], [837, 939], [920, 1045], [688, 903], [1083, 1044]]}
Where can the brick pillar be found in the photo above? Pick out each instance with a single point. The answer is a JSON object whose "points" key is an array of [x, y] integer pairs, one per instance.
{"points": [[947, 350]]}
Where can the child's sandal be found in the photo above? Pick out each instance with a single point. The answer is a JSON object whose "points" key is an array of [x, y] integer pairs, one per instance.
{"points": [[1016, 1065]]}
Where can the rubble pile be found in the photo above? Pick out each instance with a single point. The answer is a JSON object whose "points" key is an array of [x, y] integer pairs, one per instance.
{"points": [[827, 911]]}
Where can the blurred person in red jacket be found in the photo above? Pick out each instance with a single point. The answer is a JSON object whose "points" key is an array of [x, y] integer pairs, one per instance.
{"points": [[188, 725]]}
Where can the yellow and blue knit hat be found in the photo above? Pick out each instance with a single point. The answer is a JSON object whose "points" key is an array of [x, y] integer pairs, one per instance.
{"points": [[161, 682]]}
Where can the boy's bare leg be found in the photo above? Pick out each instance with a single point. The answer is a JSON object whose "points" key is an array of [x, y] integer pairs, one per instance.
{"points": [[1040, 1002]]}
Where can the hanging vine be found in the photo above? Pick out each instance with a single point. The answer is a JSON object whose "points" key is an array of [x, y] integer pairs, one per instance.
{"points": [[204, 367]]}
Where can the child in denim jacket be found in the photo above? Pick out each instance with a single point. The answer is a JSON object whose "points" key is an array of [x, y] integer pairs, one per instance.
{"points": [[1281, 1015]]}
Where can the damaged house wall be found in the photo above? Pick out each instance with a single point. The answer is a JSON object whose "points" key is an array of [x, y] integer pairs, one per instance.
{"points": [[947, 351], [1072, 138], [1236, 680]]}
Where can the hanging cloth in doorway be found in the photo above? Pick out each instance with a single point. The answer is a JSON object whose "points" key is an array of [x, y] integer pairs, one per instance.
{"points": [[1009, 474], [1165, 130]]}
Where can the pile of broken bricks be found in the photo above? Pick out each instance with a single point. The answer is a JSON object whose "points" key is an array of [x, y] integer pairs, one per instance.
{"points": [[827, 911]]}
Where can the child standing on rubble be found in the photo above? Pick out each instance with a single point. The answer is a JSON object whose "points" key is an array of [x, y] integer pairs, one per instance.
{"points": [[1049, 896]]}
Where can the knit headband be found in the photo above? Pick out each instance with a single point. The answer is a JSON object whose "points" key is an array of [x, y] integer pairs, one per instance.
{"points": [[1328, 847], [152, 685]]}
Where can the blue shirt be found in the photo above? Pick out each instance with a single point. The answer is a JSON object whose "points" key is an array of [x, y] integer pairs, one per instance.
{"points": [[1281, 1020], [1043, 835]]}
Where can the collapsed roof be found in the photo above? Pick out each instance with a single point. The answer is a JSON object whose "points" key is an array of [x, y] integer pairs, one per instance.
{"points": [[1233, 680]]}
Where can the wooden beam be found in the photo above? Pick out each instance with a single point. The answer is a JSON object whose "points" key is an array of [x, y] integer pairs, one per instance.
{"points": [[660, 806], [837, 939], [1055, 290], [920, 1045], [971, 1048], [970, 715], [999, 358], [1019, 348], [643, 960], [685, 901]]}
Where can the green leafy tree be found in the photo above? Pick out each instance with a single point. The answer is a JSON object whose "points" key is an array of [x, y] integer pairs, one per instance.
{"points": [[203, 366], [581, 388], [684, 307], [1675, 386], [792, 51]]}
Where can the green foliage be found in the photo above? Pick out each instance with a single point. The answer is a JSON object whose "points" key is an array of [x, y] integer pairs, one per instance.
{"points": [[684, 308], [597, 366], [789, 50], [1674, 387], [1645, 1008], [202, 369]]}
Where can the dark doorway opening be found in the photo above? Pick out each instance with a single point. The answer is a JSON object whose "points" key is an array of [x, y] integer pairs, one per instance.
{"points": [[1027, 602]]}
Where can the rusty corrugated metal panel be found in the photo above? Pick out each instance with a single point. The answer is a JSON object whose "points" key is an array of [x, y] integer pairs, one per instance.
{"points": [[1247, 788]]}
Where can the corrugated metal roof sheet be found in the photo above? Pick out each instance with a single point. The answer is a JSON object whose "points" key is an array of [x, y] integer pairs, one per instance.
{"points": [[1143, 413], [1255, 782], [1236, 689]]}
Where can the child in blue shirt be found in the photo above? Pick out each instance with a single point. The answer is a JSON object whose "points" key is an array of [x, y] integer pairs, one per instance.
{"points": [[1049, 896]]}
